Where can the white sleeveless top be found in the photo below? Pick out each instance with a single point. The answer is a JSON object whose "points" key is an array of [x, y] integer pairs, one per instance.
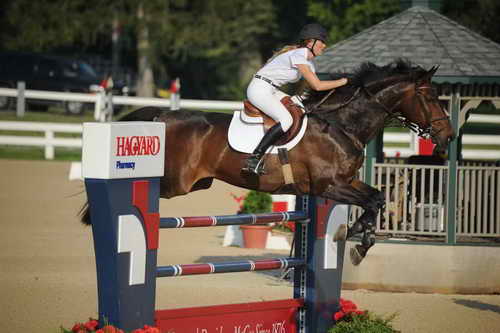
{"points": [[283, 69]]}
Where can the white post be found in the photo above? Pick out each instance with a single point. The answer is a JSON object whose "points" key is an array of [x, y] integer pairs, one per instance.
{"points": [[21, 102], [100, 104], [414, 146], [175, 95], [108, 114], [49, 145]]}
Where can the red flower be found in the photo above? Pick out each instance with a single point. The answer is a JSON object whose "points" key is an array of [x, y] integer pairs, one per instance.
{"points": [[77, 327], [347, 309], [91, 325], [150, 329], [147, 329], [338, 315], [110, 329]]}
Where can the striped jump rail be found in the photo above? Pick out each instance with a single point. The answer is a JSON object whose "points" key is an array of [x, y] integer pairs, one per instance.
{"points": [[225, 220], [229, 267]]}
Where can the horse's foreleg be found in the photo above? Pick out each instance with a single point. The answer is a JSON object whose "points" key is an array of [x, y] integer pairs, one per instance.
{"points": [[367, 197]]}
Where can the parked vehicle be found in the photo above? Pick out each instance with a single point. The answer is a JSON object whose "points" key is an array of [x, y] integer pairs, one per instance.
{"points": [[50, 73]]}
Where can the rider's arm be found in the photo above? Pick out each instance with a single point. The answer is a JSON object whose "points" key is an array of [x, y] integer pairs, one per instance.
{"points": [[315, 82]]}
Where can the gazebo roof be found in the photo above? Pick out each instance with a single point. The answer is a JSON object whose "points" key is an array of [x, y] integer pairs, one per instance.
{"points": [[425, 37]]}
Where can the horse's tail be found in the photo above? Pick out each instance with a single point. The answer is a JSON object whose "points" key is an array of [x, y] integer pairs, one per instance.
{"points": [[148, 113], [84, 214]]}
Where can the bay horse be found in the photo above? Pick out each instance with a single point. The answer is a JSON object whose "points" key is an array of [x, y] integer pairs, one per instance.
{"points": [[325, 162]]}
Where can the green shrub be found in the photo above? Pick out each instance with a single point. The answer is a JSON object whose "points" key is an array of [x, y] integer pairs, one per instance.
{"points": [[257, 202], [364, 323]]}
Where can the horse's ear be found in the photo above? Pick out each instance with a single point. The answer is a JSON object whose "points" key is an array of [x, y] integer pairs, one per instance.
{"points": [[433, 70], [428, 74]]}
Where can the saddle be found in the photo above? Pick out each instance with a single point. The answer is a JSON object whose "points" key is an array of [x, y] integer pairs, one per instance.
{"points": [[295, 111]]}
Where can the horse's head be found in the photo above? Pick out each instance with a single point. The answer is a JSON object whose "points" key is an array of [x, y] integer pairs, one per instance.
{"points": [[421, 107]]}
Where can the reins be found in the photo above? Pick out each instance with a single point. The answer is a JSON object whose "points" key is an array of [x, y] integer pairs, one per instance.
{"points": [[315, 108]]}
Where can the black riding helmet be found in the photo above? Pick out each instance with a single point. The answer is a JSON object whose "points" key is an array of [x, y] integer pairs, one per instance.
{"points": [[313, 31]]}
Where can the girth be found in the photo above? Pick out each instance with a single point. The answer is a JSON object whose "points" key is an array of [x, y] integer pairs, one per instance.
{"points": [[295, 111]]}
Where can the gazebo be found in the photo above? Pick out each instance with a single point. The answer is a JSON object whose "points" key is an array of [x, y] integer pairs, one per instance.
{"points": [[468, 74]]}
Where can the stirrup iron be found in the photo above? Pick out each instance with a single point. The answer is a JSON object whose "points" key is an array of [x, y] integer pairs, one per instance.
{"points": [[253, 167]]}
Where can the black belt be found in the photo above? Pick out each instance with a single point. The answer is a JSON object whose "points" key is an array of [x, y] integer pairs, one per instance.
{"points": [[265, 79]]}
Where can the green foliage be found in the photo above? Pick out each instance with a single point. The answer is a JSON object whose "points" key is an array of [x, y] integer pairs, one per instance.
{"points": [[345, 18], [212, 45], [365, 323], [168, 35], [478, 15], [257, 202]]}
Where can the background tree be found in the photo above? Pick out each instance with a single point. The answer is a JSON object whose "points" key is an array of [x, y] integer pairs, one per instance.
{"points": [[480, 16], [176, 31], [226, 39], [214, 46], [344, 18]]}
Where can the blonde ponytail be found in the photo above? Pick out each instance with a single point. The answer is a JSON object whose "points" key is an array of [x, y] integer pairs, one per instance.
{"points": [[287, 48], [284, 49]]}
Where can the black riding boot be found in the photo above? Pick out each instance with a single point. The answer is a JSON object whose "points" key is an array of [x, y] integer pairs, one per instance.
{"points": [[253, 163]]}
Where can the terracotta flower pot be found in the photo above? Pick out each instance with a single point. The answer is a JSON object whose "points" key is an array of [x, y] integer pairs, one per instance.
{"points": [[255, 236]]}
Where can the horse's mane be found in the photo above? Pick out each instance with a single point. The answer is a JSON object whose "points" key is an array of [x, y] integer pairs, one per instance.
{"points": [[366, 74]]}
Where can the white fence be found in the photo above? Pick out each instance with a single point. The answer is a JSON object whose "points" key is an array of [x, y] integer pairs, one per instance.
{"points": [[49, 141], [99, 100], [102, 108], [478, 208], [416, 200], [467, 139]]}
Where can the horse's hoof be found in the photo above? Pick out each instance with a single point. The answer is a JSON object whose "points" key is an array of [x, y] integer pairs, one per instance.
{"points": [[356, 257], [341, 233]]}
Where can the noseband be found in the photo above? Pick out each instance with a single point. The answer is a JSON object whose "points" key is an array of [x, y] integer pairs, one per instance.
{"points": [[429, 130]]}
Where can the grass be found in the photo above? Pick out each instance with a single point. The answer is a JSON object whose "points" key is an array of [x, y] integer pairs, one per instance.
{"points": [[35, 153], [53, 115]]}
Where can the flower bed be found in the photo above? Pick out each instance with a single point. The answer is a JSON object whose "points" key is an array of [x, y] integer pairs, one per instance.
{"points": [[349, 319], [92, 326]]}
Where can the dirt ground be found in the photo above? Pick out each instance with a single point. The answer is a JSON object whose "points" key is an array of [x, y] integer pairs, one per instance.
{"points": [[47, 268]]}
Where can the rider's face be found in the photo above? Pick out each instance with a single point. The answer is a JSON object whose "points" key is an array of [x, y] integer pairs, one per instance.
{"points": [[318, 47]]}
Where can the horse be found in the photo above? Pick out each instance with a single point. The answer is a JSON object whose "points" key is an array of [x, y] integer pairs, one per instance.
{"points": [[326, 160]]}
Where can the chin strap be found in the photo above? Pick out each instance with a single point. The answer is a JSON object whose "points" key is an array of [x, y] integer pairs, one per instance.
{"points": [[312, 47]]}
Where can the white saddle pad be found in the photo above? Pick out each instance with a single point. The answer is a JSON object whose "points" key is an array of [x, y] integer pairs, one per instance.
{"points": [[245, 134]]}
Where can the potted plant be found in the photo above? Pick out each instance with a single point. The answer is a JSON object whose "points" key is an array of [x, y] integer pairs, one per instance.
{"points": [[255, 236]]}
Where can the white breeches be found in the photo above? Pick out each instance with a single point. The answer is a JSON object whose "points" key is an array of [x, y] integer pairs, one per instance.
{"points": [[265, 97]]}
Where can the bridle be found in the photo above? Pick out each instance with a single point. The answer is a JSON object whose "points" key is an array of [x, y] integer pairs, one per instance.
{"points": [[427, 131]]}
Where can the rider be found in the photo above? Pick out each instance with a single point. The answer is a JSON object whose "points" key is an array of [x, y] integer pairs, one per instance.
{"points": [[287, 65]]}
